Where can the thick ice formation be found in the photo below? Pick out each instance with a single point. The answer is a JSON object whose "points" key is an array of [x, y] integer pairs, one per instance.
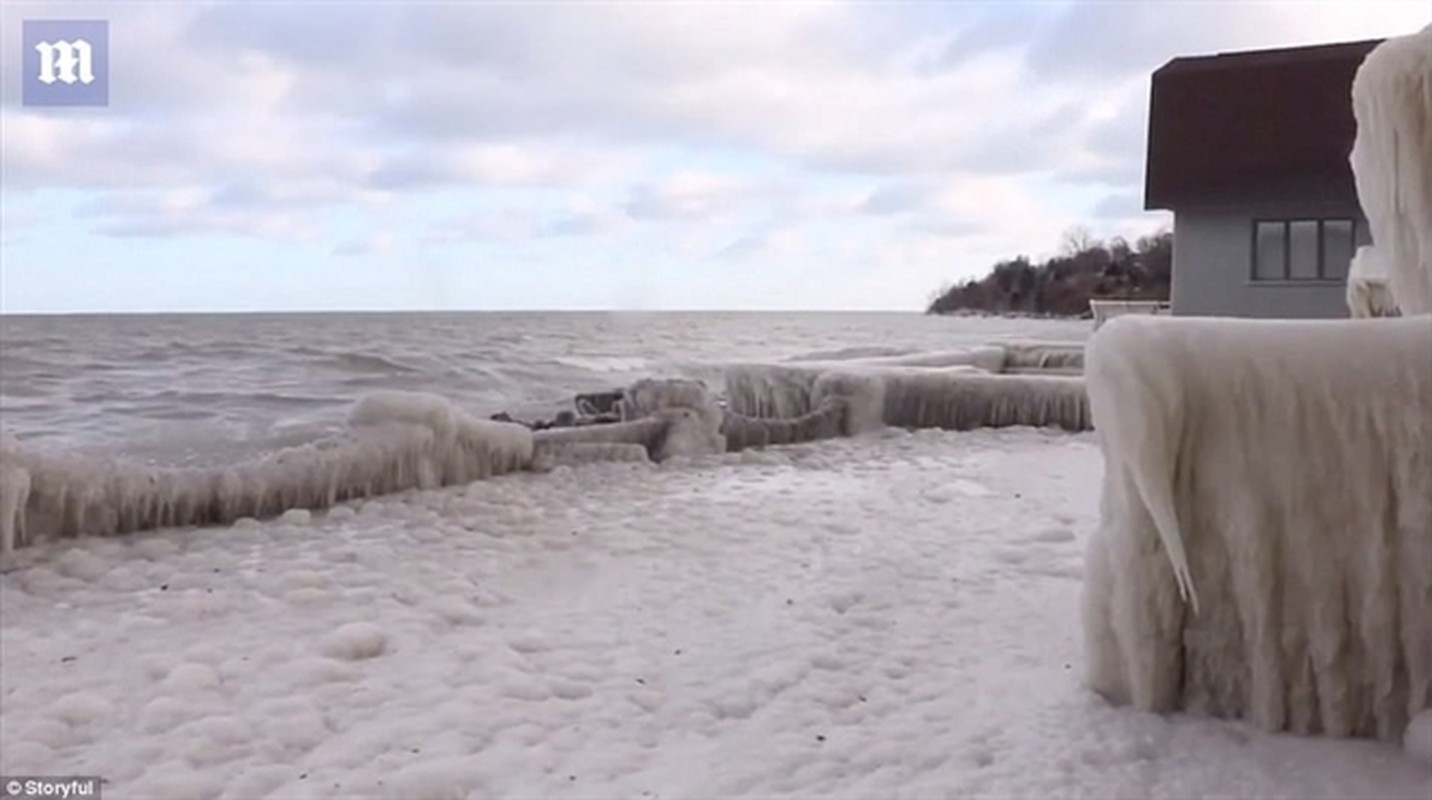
{"points": [[401, 440], [550, 455], [396, 441], [990, 358], [1418, 739], [786, 390], [1392, 162], [956, 401], [1277, 475], [1043, 357], [952, 398], [647, 432], [1368, 292], [825, 422], [690, 412], [771, 391]]}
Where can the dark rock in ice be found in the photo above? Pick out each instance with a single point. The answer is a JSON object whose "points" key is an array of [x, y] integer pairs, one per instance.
{"points": [[597, 404]]}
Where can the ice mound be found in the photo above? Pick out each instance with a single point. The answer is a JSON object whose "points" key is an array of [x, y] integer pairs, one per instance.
{"points": [[1274, 475], [690, 412], [395, 441], [668, 417]]}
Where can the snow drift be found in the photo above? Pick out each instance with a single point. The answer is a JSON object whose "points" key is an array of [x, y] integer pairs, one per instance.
{"points": [[1392, 162], [1276, 475]]}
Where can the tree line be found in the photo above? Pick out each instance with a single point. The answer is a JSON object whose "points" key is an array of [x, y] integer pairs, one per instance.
{"points": [[1086, 268]]}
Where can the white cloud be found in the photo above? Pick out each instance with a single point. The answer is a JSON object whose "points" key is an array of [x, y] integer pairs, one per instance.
{"points": [[692, 195], [690, 129], [381, 243]]}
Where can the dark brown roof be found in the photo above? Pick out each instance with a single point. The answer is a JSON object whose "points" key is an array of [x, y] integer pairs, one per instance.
{"points": [[1236, 120]]}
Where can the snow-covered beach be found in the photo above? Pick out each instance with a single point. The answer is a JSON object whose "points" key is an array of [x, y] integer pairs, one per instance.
{"points": [[895, 614], [888, 616]]}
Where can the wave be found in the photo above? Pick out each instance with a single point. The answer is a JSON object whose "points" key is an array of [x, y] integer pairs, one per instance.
{"points": [[265, 399], [370, 362], [851, 353], [605, 364]]}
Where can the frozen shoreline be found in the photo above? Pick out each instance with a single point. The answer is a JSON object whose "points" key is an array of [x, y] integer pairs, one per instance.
{"points": [[890, 615]]}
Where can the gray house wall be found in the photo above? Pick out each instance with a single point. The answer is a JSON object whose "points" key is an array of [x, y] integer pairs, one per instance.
{"points": [[1213, 254]]}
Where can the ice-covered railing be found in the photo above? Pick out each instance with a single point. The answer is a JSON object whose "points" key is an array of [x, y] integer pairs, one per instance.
{"points": [[1266, 544], [397, 441], [1265, 550], [394, 441], [1030, 383]]}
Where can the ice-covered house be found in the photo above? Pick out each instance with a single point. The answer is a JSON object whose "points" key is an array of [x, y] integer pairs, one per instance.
{"points": [[1249, 150]]}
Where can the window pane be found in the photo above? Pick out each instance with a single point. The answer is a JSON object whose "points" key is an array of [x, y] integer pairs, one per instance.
{"points": [[1268, 254], [1337, 247], [1362, 234], [1303, 250]]}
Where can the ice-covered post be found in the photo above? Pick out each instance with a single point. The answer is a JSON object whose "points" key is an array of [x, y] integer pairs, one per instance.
{"points": [[1392, 163], [1265, 550]]}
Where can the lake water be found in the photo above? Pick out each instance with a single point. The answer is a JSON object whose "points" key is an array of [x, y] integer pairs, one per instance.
{"points": [[206, 388]]}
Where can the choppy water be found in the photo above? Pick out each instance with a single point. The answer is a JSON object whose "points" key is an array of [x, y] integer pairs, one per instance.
{"points": [[191, 389]]}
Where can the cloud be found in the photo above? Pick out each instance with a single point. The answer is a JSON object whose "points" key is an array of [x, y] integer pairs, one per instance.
{"points": [[818, 135], [1120, 205], [898, 198], [190, 211], [379, 244], [692, 195]]}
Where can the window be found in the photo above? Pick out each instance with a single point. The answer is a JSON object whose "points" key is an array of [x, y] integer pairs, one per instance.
{"points": [[1302, 249], [1338, 247]]}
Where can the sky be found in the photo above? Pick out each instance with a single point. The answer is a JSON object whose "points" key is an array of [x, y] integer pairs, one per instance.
{"points": [[287, 156]]}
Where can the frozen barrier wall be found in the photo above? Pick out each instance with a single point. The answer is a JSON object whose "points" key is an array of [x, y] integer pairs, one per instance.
{"points": [[784, 391], [771, 392], [549, 455], [395, 441], [964, 401], [1039, 356], [1266, 545], [826, 422], [953, 398]]}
